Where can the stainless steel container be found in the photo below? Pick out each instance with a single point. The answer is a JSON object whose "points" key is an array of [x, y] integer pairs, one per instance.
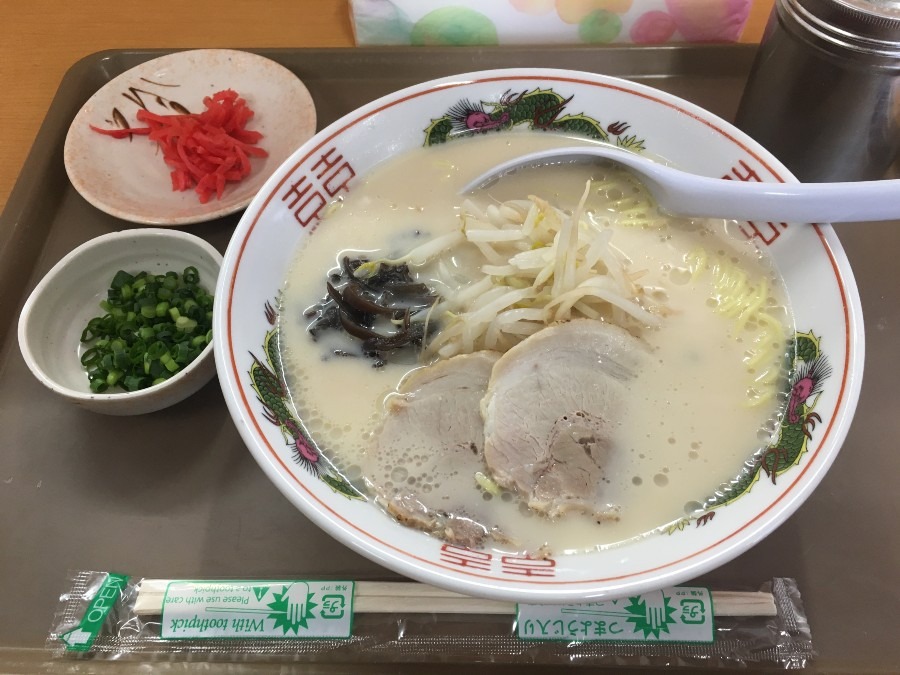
{"points": [[824, 92]]}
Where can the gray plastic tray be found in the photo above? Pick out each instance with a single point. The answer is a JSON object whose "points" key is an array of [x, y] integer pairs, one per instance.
{"points": [[175, 494]]}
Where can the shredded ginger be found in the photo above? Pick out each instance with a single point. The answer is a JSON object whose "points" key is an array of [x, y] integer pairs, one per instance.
{"points": [[539, 265], [204, 151]]}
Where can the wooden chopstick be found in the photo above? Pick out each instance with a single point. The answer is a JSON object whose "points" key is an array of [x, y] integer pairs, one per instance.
{"points": [[400, 597]]}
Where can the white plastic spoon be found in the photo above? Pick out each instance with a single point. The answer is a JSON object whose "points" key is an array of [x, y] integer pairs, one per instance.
{"points": [[687, 194]]}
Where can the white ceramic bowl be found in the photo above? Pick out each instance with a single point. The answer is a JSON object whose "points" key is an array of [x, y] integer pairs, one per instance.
{"points": [[61, 305], [819, 282]]}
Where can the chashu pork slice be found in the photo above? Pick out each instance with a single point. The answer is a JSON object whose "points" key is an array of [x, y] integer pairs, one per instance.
{"points": [[550, 411], [434, 423]]}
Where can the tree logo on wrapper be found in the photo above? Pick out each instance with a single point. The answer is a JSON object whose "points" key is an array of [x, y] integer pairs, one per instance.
{"points": [[651, 614], [292, 608]]}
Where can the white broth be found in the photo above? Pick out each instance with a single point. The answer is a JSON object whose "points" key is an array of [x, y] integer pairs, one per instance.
{"points": [[690, 421]]}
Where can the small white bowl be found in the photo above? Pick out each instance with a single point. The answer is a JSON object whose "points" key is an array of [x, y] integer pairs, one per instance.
{"points": [[61, 305]]}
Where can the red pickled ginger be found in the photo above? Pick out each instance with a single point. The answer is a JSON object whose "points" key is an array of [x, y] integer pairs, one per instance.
{"points": [[204, 150]]}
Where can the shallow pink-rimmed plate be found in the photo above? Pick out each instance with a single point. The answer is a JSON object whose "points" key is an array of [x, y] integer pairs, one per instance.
{"points": [[819, 282], [129, 179]]}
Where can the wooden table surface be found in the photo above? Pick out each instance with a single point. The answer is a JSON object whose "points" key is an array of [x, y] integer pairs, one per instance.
{"points": [[41, 39]]}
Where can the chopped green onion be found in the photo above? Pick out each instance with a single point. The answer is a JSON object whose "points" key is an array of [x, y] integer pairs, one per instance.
{"points": [[156, 350], [152, 327], [99, 385], [127, 330], [90, 356], [180, 352], [185, 324], [121, 279], [133, 383], [121, 361], [170, 364]]}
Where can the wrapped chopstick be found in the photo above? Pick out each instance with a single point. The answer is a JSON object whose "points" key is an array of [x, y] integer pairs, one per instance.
{"points": [[398, 597], [106, 615]]}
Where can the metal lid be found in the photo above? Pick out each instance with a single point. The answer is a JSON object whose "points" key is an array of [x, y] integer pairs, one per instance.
{"points": [[871, 26]]}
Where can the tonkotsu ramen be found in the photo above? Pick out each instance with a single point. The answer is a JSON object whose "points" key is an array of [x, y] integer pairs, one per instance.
{"points": [[548, 366]]}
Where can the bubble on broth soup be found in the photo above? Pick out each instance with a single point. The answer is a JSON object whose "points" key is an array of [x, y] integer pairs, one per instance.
{"points": [[689, 270], [693, 508]]}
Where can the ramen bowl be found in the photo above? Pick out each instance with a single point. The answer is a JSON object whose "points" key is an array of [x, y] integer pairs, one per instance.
{"points": [[293, 205]]}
